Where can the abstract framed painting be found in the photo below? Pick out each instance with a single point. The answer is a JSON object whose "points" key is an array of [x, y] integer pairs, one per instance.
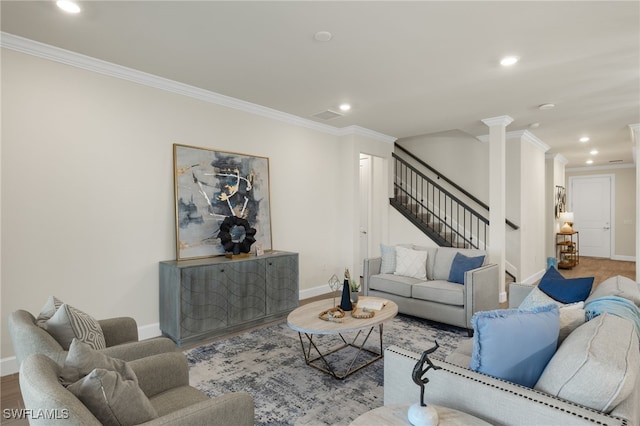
{"points": [[211, 186]]}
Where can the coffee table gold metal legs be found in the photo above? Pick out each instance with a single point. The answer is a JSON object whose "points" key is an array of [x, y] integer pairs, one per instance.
{"points": [[326, 366]]}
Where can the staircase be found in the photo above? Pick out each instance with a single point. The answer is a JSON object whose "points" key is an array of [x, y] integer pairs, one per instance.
{"points": [[437, 212], [442, 216]]}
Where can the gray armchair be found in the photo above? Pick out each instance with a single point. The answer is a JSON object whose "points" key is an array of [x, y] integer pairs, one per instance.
{"points": [[164, 379], [121, 336]]}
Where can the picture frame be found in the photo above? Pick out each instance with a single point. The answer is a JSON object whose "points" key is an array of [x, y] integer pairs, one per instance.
{"points": [[212, 185], [560, 200]]}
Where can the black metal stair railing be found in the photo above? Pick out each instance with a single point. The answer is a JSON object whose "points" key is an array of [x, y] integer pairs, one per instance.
{"points": [[439, 214]]}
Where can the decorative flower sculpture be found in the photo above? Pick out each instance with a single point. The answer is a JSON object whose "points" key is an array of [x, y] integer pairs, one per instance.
{"points": [[241, 241]]}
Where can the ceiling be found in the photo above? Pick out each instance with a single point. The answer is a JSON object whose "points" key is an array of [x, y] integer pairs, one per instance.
{"points": [[407, 68]]}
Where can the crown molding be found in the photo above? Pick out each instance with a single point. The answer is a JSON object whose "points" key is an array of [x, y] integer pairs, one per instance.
{"points": [[599, 168], [558, 157], [528, 137], [88, 63], [503, 120]]}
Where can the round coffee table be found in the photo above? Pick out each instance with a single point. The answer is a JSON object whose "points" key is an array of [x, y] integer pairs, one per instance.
{"points": [[305, 320], [397, 415]]}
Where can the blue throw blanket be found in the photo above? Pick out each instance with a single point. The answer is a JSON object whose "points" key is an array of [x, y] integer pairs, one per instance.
{"points": [[614, 305]]}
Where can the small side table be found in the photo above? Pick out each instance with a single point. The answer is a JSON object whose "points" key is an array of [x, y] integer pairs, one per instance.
{"points": [[397, 415]]}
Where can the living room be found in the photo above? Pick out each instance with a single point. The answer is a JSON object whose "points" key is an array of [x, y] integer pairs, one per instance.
{"points": [[88, 207]]}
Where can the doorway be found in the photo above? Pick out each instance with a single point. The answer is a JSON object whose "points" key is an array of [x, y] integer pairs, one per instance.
{"points": [[364, 208], [591, 200]]}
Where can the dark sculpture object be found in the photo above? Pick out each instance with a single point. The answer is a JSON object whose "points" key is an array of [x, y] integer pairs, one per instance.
{"points": [[419, 371], [232, 245]]}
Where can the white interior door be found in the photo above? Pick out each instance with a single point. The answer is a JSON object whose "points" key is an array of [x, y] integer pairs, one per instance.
{"points": [[590, 201], [365, 200]]}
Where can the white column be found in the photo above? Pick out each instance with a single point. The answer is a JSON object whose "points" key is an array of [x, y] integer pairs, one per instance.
{"points": [[497, 199], [635, 135]]}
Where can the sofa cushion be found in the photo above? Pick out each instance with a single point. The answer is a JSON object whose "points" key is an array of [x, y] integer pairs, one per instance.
{"points": [[565, 290], [431, 258], [571, 317], [439, 291], [617, 286], [461, 264], [394, 284], [537, 297], [69, 323], [513, 344], [585, 370], [388, 259], [444, 258], [113, 399], [411, 263]]}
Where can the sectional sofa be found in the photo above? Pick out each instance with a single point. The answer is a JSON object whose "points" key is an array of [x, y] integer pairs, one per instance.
{"points": [[593, 378]]}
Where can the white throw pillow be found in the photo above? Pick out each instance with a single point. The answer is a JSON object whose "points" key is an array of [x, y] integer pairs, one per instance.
{"points": [[411, 263]]}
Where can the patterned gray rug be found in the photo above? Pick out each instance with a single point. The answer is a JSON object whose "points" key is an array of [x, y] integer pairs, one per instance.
{"points": [[268, 363]]}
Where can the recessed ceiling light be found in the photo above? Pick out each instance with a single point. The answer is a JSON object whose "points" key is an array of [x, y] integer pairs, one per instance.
{"points": [[584, 139], [345, 107], [323, 36], [546, 106], [507, 61], [589, 161], [68, 6], [593, 152]]}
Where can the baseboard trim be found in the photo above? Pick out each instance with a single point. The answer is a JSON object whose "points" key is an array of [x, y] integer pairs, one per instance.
{"points": [[623, 258], [314, 291], [502, 298], [533, 278], [8, 366]]}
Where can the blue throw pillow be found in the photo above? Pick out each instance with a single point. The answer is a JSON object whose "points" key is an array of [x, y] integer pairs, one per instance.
{"points": [[513, 344], [565, 290], [462, 264]]}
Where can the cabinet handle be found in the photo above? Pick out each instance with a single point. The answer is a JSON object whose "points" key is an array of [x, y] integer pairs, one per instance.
{"points": [[270, 263], [222, 270]]}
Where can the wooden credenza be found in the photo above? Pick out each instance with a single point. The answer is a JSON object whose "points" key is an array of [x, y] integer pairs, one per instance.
{"points": [[203, 298]]}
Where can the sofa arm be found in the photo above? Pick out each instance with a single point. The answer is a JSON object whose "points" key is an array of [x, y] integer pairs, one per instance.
{"points": [[144, 348], [119, 330], [518, 292], [496, 401], [482, 292], [161, 372], [229, 409], [371, 267]]}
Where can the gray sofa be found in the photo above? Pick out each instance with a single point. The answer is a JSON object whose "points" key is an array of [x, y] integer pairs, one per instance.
{"points": [[164, 379], [500, 402], [435, 298]]}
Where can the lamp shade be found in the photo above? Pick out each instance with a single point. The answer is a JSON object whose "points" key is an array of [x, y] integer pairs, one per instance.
{"points": [[566, 217]]}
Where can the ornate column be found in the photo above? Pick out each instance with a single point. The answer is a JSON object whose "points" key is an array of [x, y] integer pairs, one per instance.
{"points": [[497, 199]]}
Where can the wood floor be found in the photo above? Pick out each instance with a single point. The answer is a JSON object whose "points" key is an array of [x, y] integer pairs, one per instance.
{"points": [[600, 269]]}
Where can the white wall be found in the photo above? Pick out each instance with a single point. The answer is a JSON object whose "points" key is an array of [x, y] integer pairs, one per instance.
{"points": [[87, 187]]}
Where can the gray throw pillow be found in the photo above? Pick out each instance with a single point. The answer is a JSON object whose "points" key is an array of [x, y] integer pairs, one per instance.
{"points": [[388, 262], [48, 310], [619, 286], [586, 371], [69, 322], [82, 359], [113, 399]]}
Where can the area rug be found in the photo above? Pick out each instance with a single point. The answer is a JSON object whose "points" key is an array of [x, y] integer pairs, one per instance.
{"points": [[268, 363]]}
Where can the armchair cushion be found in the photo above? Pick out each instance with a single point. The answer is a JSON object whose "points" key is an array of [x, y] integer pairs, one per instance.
{"points": [[619, 286], [113, 398], [69, 323], [50, 307]]}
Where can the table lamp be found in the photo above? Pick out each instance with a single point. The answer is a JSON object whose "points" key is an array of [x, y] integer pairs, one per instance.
{"points": [[567, 218]]}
